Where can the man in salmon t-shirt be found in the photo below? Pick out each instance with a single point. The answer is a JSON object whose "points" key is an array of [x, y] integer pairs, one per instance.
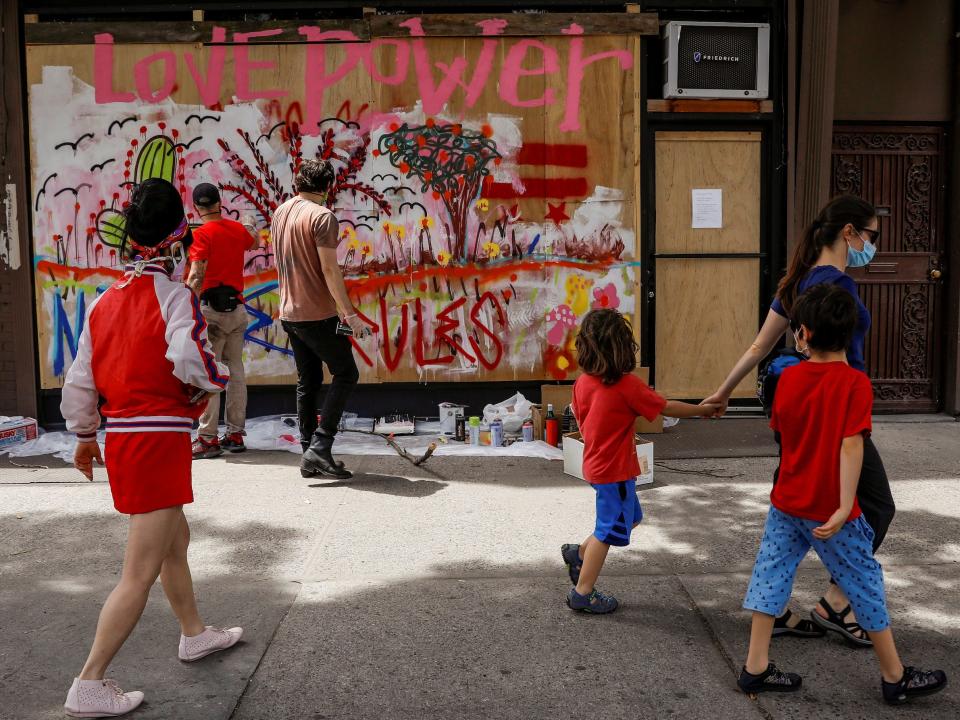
{"points": [[312, 293], [216, 276]]}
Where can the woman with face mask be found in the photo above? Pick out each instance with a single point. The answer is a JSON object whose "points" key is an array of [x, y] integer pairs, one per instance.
{"points": [[144, 352], [843, 235]]}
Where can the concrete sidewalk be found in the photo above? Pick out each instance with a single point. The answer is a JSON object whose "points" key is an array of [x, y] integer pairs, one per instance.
{"points": [[438, 592]]}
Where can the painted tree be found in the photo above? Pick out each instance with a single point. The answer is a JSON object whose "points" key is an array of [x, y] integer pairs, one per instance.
{"points": [[259, 185], [450, 161]]}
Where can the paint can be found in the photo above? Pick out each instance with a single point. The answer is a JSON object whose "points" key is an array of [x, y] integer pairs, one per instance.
{"points": [[474, 430], [496, 433], [460, 429], [528, 431]]}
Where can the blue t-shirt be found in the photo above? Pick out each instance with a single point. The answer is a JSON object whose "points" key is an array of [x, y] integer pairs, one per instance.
{"points": [[829, 274]]}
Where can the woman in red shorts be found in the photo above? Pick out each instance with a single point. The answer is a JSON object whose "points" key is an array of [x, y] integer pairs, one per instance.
{"points": [[144, 352]]}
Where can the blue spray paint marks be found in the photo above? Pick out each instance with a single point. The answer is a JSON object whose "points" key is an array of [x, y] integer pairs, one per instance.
{"points": [[63, 331]]}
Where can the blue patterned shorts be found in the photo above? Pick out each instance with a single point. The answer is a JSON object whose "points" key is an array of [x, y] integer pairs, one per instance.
{"points": [[618, 510], [848, 556]]}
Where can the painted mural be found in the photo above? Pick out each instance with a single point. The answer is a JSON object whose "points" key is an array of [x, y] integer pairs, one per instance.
{"points": [[483, 208]]}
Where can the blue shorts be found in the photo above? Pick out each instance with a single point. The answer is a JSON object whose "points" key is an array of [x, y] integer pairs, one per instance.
{"points": [[618, 510], [848, 556]]}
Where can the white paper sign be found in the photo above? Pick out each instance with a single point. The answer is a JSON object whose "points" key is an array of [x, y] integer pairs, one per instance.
{"points": [[707, 208]]}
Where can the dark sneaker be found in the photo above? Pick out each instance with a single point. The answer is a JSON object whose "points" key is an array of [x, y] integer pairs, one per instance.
{"points": [[233, 443], [596, 603], [206, 449], [571, 556], [771, 680], [914, 683]]}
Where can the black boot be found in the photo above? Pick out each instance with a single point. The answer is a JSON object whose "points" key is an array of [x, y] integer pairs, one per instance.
{"points": [[317, 460], [306, 446]]}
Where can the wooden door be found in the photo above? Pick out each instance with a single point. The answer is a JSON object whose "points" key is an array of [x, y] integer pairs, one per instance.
{"points": [[901, 171], [707, 280]]}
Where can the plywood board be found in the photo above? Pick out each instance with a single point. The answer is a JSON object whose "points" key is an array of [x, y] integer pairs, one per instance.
{"points": [[706, 318], [729, 161], [460, 288]]}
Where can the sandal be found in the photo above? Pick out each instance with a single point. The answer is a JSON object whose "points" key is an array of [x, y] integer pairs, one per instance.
{"points": [[850, 631], [803, 628]]}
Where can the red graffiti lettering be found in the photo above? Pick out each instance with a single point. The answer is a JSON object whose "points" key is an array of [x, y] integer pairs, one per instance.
{"points": [[141, 76], [244, 66], [356, 346], [392, 361], [103, 72], [478, 322], [210, 87]]}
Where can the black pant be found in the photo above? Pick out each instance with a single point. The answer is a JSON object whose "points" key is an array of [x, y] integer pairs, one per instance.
{"points": [[314, 344], [873, 492]]}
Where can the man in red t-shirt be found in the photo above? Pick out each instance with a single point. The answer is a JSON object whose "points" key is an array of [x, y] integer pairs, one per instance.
{"points": [[216, 275], [822, 412]]}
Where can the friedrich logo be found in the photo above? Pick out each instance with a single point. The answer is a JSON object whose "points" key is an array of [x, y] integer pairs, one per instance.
{"points": [[699, 57]]}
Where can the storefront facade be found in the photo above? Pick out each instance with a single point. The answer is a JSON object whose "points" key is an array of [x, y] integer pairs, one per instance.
{"points": [[499, 175]]}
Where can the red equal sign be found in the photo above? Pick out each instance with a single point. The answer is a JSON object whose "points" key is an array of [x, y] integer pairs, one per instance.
{"points": [[545, 155]]}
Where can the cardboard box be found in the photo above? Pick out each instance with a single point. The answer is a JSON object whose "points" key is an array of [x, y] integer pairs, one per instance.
{"points": [[561, 395], [16, 430], [573, 457]]}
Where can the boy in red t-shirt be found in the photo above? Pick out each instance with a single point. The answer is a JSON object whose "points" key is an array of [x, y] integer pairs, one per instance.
{"points": [[607, 399], [822, 412]]}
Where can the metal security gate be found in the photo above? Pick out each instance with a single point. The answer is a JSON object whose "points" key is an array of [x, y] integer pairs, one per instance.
{"points": [[901, 171]]}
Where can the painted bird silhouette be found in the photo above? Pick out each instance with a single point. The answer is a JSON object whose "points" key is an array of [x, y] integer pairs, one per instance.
{"points": [[73, 145], [101, 166], [120, 123]]}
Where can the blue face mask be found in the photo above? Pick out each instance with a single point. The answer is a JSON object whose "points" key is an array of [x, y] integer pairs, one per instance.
{"points": [[859, 258]]}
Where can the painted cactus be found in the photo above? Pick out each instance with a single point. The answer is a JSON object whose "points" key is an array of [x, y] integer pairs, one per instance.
{"points": [[157, 159]]}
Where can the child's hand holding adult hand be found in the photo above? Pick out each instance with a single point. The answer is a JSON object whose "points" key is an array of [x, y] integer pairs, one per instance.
{"points": [[721, 402], [711, 408], [84, 456], [832, 526]]}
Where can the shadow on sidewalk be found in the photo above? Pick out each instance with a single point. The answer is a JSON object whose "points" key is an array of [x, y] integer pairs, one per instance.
{"points": [[57, 570], [386, 485]]}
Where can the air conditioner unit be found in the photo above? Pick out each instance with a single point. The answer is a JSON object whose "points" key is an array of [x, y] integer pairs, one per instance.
{"points": [[716, 60]]}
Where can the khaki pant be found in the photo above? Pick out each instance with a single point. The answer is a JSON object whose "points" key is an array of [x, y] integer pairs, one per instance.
{"points": [[225, 330]]}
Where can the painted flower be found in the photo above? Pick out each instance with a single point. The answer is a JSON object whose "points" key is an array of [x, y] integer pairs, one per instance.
{"points": [[563, 319], [365, 249], [443, 257], [606, 297], [491, 250], [350, 235], [426, 222], [399, 231], [559, 363], [387, 228], [264, 236], [483, 204]]}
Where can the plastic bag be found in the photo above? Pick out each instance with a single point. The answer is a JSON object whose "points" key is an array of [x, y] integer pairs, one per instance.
{"points": [[511, 412]]}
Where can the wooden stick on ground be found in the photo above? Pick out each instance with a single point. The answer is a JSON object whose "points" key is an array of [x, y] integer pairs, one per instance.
{"points": [[400, 450]]}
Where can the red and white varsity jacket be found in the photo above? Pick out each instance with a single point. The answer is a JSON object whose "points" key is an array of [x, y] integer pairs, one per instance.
{"points": [[144, 343]]}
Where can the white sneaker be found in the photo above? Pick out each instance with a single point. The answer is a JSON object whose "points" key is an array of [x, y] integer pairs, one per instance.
{"points": [[100, 698], [209, 641]]}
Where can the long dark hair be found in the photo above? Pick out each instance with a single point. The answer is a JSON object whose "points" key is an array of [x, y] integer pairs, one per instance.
{"points": [[605, 345], [821, 233]]}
